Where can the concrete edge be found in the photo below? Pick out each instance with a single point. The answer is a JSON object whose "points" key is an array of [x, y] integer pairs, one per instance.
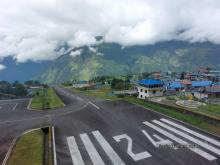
{"points": [[8, 154], [13, 143], [54, 147], [217, 136]]}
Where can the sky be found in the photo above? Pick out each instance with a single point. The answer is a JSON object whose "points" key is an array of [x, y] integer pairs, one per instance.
{"points": [[36, 30]]}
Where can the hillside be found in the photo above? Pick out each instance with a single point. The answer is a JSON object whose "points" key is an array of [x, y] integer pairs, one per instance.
{"points": [[21, 71], [113, 59]]}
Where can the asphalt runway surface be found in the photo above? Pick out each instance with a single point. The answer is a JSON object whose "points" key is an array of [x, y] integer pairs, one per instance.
{"points": [[90, 131]]}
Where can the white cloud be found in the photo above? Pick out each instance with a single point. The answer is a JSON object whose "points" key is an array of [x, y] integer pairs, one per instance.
{"points": [[34, 29], [92, 49], [2, 67], [76, 53]]}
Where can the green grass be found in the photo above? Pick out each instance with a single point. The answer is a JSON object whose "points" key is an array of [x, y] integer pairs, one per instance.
{"points": [[194, 120], [28, 150], [210, 109], [102, 93], [46, 99]]}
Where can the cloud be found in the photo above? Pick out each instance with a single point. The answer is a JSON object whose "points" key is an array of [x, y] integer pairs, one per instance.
{"points": [[2, 67], [76, 53], [36, 29]]}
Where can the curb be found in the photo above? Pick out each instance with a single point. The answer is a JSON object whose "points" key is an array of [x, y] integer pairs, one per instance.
{"points": [[54, 147], [8, 154]]}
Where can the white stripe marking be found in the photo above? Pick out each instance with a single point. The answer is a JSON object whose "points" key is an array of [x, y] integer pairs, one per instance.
{"points": [[54, 147], [180, 141], [113, 156], [213, 141], [74, 151], [158, 137], [94, 105], [197, 141], [94, 155], [14, 107], [157, 144]]}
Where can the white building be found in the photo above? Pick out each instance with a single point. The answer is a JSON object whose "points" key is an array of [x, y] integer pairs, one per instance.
{"points": [[149, 88]]}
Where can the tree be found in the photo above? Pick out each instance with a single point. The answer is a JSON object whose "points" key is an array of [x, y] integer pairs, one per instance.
{"points": [[117, 84], [182, 76]]}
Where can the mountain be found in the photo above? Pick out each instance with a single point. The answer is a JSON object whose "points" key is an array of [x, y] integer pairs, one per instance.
{"points": [[21, 71], [85, 62]]}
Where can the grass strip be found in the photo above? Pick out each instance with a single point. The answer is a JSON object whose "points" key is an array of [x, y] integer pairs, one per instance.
{"points": [[28, 150], [46, 98]]}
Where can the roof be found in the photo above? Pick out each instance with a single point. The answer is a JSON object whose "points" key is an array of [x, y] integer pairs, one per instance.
{"points": [[213, 89], [201, 83], [150, 82], [175, 85]]}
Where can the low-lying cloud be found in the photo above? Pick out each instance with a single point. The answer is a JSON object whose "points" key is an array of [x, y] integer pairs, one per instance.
{"points": [[36, 29], [2, 67]]}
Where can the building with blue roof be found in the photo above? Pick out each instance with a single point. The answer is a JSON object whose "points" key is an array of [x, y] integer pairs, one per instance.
{"points": [[177, 85], [198, 84], [149, 88]]}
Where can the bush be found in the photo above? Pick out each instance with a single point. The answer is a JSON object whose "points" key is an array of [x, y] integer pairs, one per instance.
{"points": [[120, 95]]}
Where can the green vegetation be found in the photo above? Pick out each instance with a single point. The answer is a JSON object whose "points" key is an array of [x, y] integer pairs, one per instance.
{"points": [[113, 60], [12, 90], [210, 109], [46, 98], [102, 93], [28, 150]]}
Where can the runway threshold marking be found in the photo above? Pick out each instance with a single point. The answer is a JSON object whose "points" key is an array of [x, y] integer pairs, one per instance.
{"points": [[93, 153], [113, 156], [74, 151], [91, 150], [210, 140], [180, 141], [94, 105], [186, 136]]}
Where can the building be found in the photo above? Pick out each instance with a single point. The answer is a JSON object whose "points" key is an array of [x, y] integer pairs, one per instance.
{"points": [[149, 88], [209, 92]]}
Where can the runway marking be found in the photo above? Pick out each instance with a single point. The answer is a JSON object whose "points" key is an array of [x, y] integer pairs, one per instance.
{"points": [[158, 143], [94, 155], [180, 141], [213, 141], [135, 157], [113, 156], [74, 151], [15, 107], [94, 105], [186, 136]]}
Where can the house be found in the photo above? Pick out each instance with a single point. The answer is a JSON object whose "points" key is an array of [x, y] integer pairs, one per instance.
{"points": [[149, 88], [208, 92]]}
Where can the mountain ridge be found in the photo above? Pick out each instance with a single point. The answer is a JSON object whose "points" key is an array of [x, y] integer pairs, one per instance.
{"points": [[84, 63]]}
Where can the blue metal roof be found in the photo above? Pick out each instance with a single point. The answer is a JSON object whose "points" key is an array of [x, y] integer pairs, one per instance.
{"points": [[150, 82], [175, 85], [201, 83]]}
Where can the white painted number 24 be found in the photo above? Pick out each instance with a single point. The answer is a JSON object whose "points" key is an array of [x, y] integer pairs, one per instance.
{"points": [[137, 156]]}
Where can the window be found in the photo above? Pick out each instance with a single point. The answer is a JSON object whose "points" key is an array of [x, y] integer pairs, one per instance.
{"points": [[154, 91], [145, 91], [141, 90]]}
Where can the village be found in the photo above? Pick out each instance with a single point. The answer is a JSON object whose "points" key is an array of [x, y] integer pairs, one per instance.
{"points": [[203, 85]]}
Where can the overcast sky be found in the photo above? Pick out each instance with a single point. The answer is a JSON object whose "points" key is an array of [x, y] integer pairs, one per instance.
{"points": [[34, 29]]}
